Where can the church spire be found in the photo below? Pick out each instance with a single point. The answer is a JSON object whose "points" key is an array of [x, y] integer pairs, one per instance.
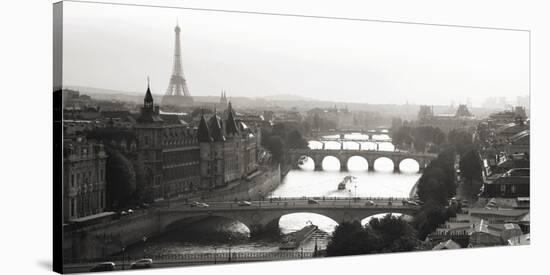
{"points": [[148, 100]]}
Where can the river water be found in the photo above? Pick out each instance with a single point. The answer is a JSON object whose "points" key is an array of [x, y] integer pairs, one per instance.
{"points": [[219, 234]]}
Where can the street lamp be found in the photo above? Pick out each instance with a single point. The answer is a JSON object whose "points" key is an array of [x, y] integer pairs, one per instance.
{"points": [[215, 253], [123, 248], [260, 197], [144, 239], [229, 258]]}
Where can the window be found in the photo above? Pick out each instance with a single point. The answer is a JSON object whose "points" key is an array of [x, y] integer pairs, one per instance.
{"points": [[100, 199], [77, 178], [513, 189], [502, 188], [72, 207], [72, 180]]}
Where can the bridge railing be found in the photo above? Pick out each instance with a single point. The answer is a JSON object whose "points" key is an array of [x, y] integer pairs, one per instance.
{"points": [[328, 198], [204, 257]]}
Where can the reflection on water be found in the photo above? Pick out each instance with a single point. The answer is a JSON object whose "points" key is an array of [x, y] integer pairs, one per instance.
{"points": [[294, 222]]}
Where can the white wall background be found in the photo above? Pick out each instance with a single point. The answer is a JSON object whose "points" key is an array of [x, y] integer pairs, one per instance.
{"points": [[25, 79]]}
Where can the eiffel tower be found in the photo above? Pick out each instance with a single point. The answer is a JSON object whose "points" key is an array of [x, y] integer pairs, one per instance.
{"points": [[177, 93]]}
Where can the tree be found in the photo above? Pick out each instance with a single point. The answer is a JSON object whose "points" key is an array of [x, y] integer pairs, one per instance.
{"points": [[471, 169], [120, 177], [350, 238], [461, 140], [276, 146], [470, 165], [419, 136], [437, 183], [430, 216], [386, 234], [143, 179], [395, 233], [296, 141]]}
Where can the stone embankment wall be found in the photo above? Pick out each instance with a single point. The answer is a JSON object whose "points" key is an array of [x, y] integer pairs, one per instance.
{"points": [[102, 240]]}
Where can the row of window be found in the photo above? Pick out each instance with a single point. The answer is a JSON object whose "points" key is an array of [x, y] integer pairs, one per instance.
{"points": [[181, 157], [180, 172], [86, 177], [88, 204]]}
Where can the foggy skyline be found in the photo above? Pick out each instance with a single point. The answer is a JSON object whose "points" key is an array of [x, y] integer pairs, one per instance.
{"points": [[117, 47]]}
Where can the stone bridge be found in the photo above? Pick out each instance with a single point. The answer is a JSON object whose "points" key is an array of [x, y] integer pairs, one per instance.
{"points": [[316, 134], [423, 159], [265, 216]]}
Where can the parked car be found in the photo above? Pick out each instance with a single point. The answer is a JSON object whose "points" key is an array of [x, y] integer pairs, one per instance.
{"points": [[203, 205], [106, 266], [370, 203], [408, 202], [194, 204], [123, 213], [130, 211], [143, 263], [244, 203], [311, 201]]}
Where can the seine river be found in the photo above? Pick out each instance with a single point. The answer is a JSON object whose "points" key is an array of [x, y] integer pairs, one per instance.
{"points": [[212, 234]]}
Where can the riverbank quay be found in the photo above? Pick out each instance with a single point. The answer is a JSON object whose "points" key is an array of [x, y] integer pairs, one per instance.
{"points": [[188, 259]]}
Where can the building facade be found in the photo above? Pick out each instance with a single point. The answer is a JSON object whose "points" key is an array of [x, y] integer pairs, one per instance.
{"points": [[228, 149], [168, 148], [462, 119], [83, 178]]}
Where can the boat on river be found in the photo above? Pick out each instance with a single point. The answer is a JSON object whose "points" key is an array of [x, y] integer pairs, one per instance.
{"points": [[295, 239], [342, 184]]}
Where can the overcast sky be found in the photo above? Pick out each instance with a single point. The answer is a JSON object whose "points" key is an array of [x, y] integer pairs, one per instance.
{"points": [[117, 47]]}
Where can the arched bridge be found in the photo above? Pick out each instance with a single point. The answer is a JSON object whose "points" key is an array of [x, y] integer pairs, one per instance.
{"points": [[370, 156], [264, 215], [342, 132]]}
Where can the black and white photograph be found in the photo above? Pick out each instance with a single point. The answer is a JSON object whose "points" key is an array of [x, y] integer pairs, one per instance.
{"points": [[262, 137], [238, 136]]}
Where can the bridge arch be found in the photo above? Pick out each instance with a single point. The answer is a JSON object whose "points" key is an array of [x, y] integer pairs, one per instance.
{"points": [[259, 220], [384, 164], [305, 163], [190, 223], [406, 217], [358, 163], [409, 165], [332, 163], [295, 221]]}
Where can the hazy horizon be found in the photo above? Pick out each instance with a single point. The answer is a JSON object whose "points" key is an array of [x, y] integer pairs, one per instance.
{"points": [[117, 47]]}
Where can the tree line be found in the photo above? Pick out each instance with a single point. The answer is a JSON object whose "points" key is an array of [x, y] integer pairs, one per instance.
{"points": [[435, 188], [281, 138]]}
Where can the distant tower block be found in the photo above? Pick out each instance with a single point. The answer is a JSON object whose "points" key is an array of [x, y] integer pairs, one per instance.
{"points": [[177, 93]]}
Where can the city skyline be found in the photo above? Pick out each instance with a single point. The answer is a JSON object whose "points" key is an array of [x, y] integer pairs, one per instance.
{"points": [[330, 71]]}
